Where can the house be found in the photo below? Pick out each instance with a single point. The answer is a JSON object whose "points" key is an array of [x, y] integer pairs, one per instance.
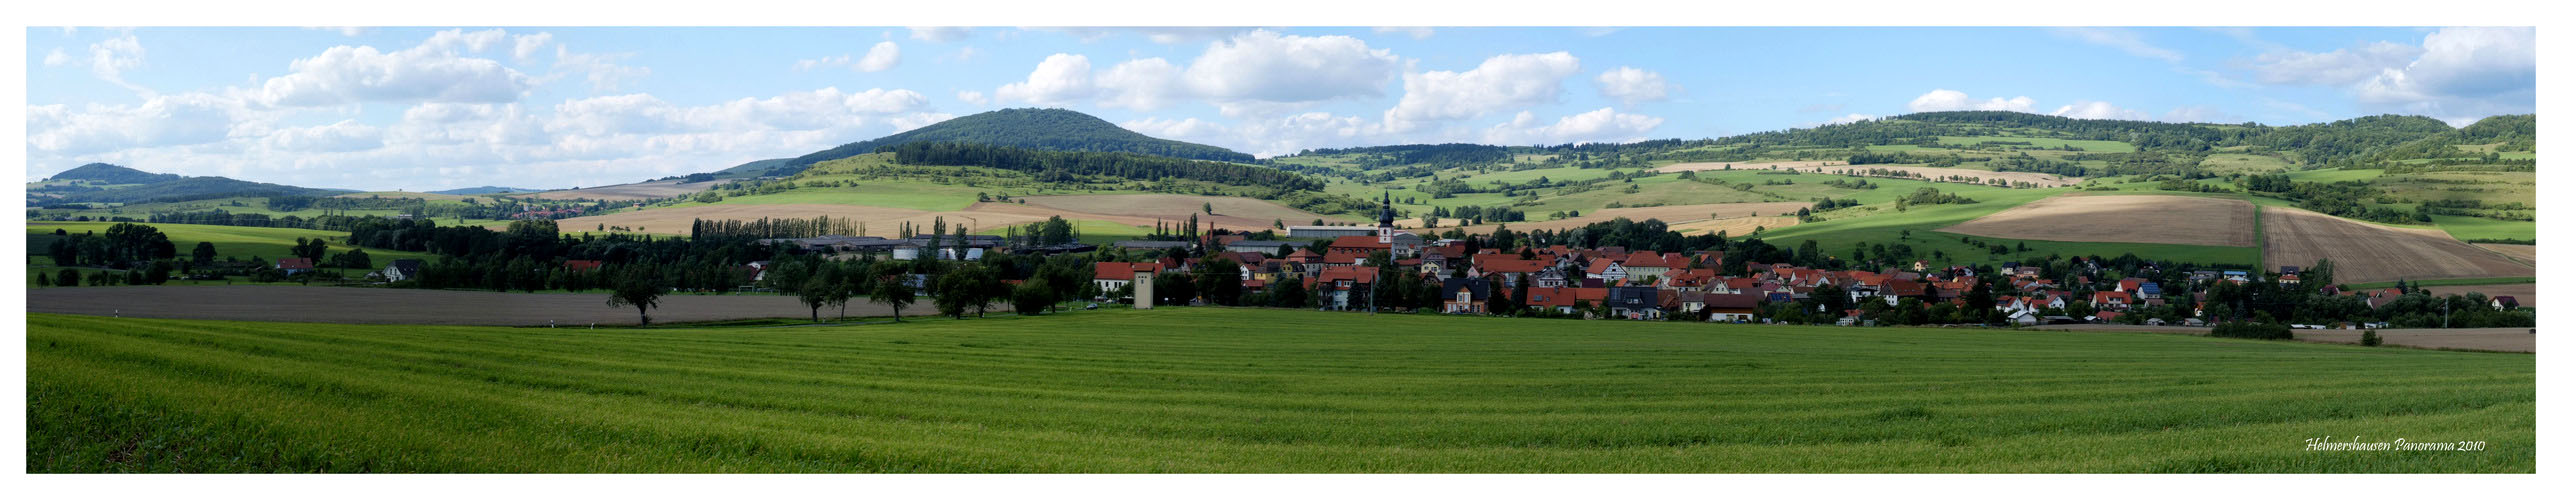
{"points": [[402, 269], [2111, 300], [2504, 302], [1346, 287], [1553, 299], [1463, 296], [1111, 276], [1648, 264], [2290, 279], [1897, 290], [1636, 302], [1730, 307], [1274, 247], [1606, 269], [294, 265], [581, 266]]}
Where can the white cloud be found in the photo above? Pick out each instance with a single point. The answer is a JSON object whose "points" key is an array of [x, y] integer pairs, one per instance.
{"points": [[938, 33], [2198, 114], [1267, 66], [1950, 100], [1185, 129], [1417, 32], [2124, 40], [435, 71], [529, 45], [603, 72], [159, 121], [2099, 110], [1059, 79], [2338, 67], [1501, 82], [108, 60], [1600, 125], [57, 57], [973, 97], [883, 56], [346, 135], [1841, 120], [1144, 84], [1631, 85]]}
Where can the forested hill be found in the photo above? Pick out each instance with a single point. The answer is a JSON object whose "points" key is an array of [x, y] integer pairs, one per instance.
{"points": [[1050, 129], [111, 174]]}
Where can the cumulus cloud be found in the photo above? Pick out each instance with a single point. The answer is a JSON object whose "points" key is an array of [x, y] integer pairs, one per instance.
{"points": [[973, 97], [1144, 84], [1950, 100], [2456, 74], [1631, 85], [2099, 110], [346, 135], [1187, 128], [1501, 82], [1059, 79], [159, 121], [604, 72], [1600, 125], [57, 57], [436, 71], [108, 59], [938, 33], [883, 56], [529, 45]]}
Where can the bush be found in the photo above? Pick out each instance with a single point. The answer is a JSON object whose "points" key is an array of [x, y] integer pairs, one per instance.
{"points": [[2253, 330], [2370, 339]]}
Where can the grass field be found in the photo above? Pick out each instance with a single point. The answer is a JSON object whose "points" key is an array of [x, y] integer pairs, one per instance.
{"points": [[268, 243], [1226, 390], [2473, 228]]}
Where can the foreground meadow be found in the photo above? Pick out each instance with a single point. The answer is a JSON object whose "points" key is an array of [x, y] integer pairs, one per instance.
{"points": [[1230, 390]]}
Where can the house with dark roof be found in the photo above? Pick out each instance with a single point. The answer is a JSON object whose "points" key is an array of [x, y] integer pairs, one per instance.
{"points": [[1636, 302], [1730, 306], [1346, 287], [1463, 296], [402, 269]]}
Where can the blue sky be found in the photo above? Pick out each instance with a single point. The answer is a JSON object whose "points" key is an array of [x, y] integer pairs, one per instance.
{"points": [[422, 109]]}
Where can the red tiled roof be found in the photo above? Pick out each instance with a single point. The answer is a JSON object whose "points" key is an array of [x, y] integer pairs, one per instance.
{"points": [[1112, 271], [295, 263], [1363, 243], [1355, 274], [584, 265]]}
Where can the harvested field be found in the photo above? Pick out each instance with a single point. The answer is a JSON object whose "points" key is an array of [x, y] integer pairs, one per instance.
{"points": [[2520, 252], [1713, 215], [1145, 209], [2182, 220], [2474, 339], [323, 304], [2525, 292], [2367, 253], [1845, 168], [627, 192]]}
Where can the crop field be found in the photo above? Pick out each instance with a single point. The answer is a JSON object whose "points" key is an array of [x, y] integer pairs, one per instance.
{"points": [[2523, 253], [1673, 215], [2370, 252], [1262, 391], [2049, 142], [2525, 292], [2185, 220], [1226, 210], [268, 243], [877, 220], [394, 306], [1919, 227], [2469, 228]]}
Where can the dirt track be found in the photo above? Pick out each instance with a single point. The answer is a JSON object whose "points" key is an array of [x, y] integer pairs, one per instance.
{"points": [[2183, 220], [2367, 253], [322, 304], [1839, 167], [2479, 339]]}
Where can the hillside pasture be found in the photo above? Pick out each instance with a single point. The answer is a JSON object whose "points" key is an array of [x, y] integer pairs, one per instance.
{"points": [[2366, 252], [877, 221], [630, 192], [1241, 390], [1230, 211], [1712, 215], [2183, 220], [1839, 167]]}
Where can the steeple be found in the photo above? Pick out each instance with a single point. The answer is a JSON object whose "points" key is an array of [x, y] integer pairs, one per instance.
{"points": [[1387, 219]]}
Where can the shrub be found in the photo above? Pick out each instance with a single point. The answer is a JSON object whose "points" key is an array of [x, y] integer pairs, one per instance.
{"points": [[2370, 339], [2253, 330]]}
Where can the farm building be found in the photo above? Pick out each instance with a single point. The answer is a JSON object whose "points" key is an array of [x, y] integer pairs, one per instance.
{"points": [[1324, 232], [402, 270]]}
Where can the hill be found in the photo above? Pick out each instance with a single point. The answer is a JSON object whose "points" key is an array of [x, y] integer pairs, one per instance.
{"points": [[758, 168], [193, 188], [485, 190], [1265, 391], [111, 174], [1052, 129]]}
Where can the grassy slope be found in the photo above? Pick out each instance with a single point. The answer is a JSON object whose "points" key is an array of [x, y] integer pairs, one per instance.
{"points": [[1265, 391], [269, 243]]}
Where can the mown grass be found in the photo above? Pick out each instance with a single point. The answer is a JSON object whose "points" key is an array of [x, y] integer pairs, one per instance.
{"points": [[1229, 390]]}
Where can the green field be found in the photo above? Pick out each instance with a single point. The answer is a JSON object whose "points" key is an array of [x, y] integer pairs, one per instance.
{"points": [[268, 243], [1231, 390], [2473, 228]]}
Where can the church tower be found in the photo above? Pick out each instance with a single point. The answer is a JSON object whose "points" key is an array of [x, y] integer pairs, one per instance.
{"points": [[1387, 219]]}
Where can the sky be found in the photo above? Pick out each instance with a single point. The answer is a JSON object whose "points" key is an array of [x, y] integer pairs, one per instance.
{"points": [[426, 109]]}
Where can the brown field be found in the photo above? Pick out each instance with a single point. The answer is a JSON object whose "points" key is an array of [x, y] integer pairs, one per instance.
{"points": [[876, 220], [628, 192], [2183, 220], [1735, 218], [1841, 167], [2525, 292], [1145, 209], [414, 196], [2368, 253], [2524, 253], [325, 304], [2475, 339]]}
